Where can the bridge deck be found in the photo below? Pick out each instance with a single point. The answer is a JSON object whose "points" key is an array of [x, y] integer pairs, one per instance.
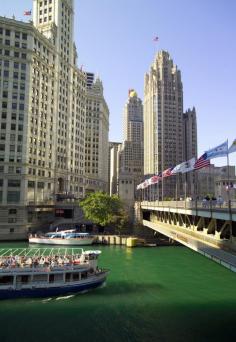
{"points": [[205, 248]]}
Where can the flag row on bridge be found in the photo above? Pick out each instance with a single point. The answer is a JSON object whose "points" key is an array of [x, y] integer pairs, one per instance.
{"points": [[192, 164]]}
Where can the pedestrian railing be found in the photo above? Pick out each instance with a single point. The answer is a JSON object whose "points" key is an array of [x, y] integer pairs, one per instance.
{"points": [[191, 204]]}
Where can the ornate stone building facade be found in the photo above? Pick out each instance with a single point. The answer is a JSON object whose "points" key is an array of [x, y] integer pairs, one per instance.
{"points": [[43, 116]]}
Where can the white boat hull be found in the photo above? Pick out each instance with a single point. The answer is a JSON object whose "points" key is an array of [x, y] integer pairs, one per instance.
{"points": [[65, 242]]}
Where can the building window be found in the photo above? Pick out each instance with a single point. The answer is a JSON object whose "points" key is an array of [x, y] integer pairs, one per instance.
{"points": [[5, 73], [40, 185], [12, 211], [12, 230], [12, 220], [14, 183], [31, 184], [13, 196]]}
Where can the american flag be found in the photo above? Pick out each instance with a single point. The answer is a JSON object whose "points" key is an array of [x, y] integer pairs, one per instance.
{"points": [[201, 162], [27, 12], [155, 39]]}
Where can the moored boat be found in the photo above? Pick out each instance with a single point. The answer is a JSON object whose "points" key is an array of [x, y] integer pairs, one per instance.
{"points": [[46, 272], [64, 237]]}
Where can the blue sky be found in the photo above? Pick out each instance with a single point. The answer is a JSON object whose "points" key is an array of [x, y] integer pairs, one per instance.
{"points": [[115, 40]]}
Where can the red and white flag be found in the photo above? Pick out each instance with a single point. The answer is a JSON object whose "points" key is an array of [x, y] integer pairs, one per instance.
{"points": [[167, 172], [154, 179], [27, 12]]}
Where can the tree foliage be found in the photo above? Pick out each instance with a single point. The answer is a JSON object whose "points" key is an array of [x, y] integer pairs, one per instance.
{"points": [[104, 210]]}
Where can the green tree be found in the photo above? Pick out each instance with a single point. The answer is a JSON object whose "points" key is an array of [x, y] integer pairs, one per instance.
{"points": [[105, 210]]}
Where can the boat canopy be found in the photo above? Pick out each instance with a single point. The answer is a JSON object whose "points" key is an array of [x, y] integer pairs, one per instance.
{"points": [[38, 252]]}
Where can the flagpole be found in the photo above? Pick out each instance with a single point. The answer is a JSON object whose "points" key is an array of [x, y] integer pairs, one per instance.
{"points": [[229, 201], [176, 187], [185, 187]]}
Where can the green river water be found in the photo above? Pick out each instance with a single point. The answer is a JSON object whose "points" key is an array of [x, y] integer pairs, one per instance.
{"points": [[151, 294]]}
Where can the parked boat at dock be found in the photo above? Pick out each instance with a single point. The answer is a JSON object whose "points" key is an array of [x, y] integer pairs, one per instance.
{"points": [[46, 272], [64, 237]]}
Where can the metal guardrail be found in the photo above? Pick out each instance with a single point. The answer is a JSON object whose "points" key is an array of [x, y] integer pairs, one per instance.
{"points": [[189, 204]]}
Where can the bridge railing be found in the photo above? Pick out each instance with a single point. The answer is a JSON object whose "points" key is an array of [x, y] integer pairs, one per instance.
{"points": [[191, 204]]}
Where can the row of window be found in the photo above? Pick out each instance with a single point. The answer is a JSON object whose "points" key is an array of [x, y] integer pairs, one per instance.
{"points": [[45, 3], [16, 65], [45, 19], [13, 183], [12, 159], [12, 137], [15, 85], [14, 74], [18, 34], [12, 196], [14, 105], [16, 183], [12, 148], [13, 126], [45, 11], [16, 54], [14, 116], [17, 43]]}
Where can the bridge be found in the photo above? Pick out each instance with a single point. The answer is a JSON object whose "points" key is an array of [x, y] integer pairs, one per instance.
{"points": [[207, 228]]}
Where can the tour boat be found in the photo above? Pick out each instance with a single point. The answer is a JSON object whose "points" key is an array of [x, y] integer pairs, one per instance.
{"points": [[64, 237], [46, 272]]}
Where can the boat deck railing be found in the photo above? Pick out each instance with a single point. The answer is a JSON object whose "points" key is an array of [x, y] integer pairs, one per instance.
{"points": [[40, 259], [43, 269]]}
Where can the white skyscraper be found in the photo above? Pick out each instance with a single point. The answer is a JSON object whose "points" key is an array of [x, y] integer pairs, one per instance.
{"points": [[43, 116], [163, 120], [131, 154], [96, 140]]}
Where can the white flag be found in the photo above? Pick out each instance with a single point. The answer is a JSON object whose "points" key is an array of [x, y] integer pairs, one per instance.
{"points": [[178, 168], [189, 165]]}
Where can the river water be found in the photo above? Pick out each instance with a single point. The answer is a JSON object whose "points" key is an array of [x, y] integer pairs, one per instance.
{"points": [[152, 294]]}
